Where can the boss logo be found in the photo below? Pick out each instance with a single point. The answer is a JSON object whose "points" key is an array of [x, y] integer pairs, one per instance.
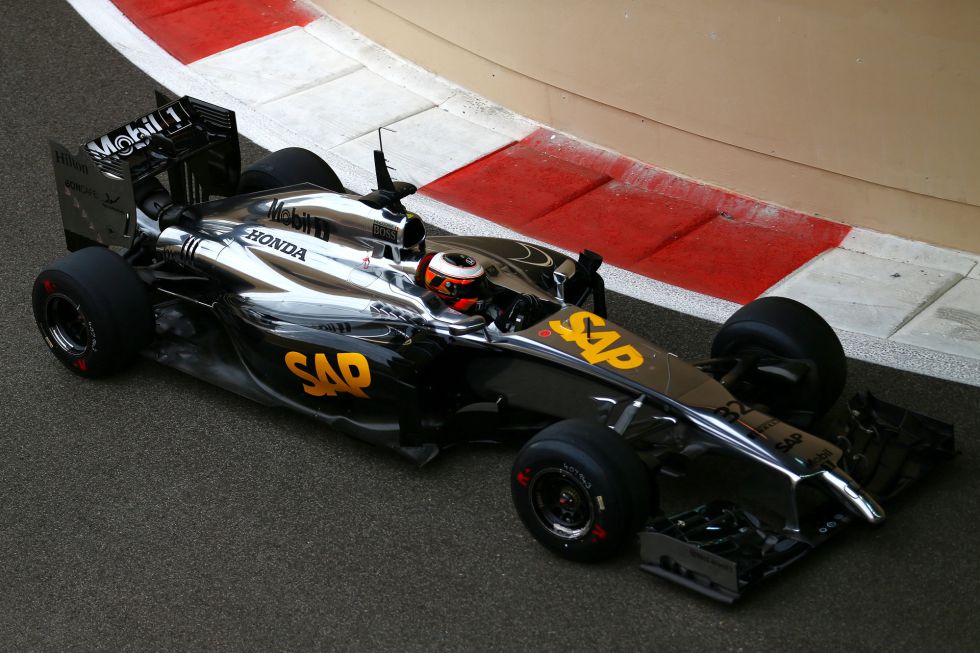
{"points": [[385, 232]]}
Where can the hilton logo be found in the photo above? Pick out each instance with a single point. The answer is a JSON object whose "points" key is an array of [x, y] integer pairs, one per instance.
{"points": [[69, 161]]}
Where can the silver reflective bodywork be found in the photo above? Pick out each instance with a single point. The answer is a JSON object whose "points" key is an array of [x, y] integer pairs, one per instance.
{"points": [[307, 252], [722, 422], [316, 252]]}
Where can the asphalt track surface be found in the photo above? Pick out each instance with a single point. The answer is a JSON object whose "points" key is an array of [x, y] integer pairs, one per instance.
{"points": [[154, 511]]}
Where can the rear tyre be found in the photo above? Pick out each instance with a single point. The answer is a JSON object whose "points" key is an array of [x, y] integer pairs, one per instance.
{"points": [[786, 328], [93, 311], [580, 490], [288, 167]]}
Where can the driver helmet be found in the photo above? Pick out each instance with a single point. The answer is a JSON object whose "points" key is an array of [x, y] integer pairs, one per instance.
{"points": [[457, 278]]}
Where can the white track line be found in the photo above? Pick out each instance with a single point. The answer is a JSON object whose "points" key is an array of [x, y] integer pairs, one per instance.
{"points": [[109, 22]]}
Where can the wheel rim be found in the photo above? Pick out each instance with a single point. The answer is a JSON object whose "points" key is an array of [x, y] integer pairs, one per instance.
{"points": [[561, 503], [67, 324]]}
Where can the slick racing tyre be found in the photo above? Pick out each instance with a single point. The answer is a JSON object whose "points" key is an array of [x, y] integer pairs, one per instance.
{"points": [[288, 167], [580, 490], [93, 311], [786, 328]]}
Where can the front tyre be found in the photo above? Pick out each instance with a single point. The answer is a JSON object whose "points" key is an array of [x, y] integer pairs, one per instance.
{"points": [[785, 328], [93, 311], [580, 490]]}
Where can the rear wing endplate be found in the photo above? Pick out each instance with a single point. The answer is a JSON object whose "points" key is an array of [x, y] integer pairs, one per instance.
{"points": [[195, 142]]}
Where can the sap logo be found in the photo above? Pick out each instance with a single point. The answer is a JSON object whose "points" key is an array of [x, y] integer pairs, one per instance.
{"points": [[385, 232], [354, 374], [278, 244], [304, 222], [595, 344]]}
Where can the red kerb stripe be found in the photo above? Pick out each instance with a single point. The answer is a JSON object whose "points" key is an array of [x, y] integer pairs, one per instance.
{"points": [[194, 29], [638, 216]]}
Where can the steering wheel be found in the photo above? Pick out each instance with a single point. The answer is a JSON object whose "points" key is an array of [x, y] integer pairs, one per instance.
{"points": [[516, 315]]}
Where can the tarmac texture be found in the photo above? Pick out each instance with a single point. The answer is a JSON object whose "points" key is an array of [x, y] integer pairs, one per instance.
{"points": [[154, 511]]}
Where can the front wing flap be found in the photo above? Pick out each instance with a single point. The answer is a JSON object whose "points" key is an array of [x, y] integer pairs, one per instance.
{"points": [[722, 550]]}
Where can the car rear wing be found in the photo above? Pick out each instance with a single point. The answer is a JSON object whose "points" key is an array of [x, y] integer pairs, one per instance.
{"points": [[194, 142]]}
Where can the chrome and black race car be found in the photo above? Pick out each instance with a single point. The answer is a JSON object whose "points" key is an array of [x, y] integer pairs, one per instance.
{"points": [[277, 283]]}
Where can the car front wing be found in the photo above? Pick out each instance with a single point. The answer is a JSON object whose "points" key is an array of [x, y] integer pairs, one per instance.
{"points": [[722, 550]]}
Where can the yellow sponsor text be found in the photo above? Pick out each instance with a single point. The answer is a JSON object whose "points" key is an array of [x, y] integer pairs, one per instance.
{"points": [[351, 375], [597, 344]]}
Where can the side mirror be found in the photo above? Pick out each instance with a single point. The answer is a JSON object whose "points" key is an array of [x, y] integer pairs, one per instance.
{"points": [[472, 325], [561, 274]]}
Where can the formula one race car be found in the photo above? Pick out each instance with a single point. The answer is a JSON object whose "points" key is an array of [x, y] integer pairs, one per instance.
{"points": [[279, 284]]}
